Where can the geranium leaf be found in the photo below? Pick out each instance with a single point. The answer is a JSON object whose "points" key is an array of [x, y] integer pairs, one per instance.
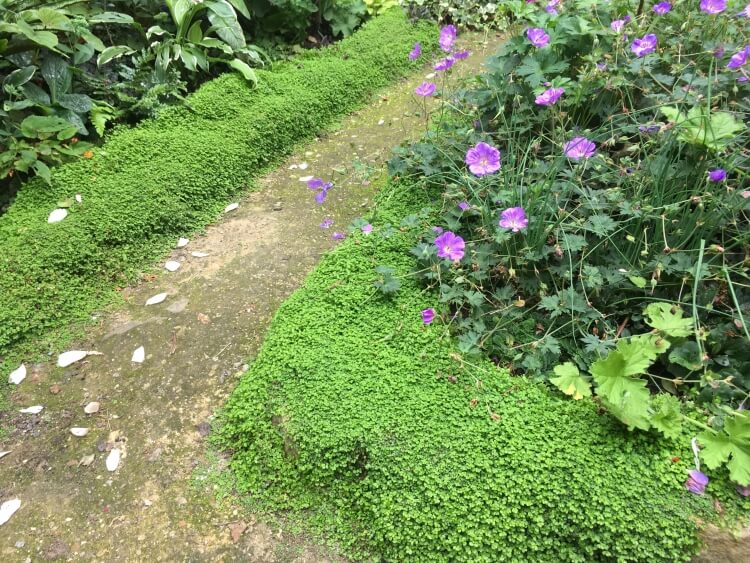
{"points": [[661, 317], [570, 381], [668, 419]]}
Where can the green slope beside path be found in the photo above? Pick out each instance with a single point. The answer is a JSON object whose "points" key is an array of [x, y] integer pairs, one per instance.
{"points": [[410, 453], [150, 184]]}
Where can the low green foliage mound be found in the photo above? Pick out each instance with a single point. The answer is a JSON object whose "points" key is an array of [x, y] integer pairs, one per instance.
{"points": [[169, 176], [357, 408]]}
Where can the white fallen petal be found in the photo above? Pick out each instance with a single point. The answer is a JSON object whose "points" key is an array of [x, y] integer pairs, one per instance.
{"points": [[381, 122], [3, 454], [303, 166], [293, 167], [36, 409], [57, 215], [113, 460], [139, 355], [91, 408], [8, 509], [80, 432], [67, 358], [182, 242], [172, 265], [79, 199], [18, 375], [156, 299], [430, 76], [305, 178], [199, 254], [231, 207]]}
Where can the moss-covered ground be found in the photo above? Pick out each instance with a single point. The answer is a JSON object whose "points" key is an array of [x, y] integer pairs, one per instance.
{"points": [[405, 451]]}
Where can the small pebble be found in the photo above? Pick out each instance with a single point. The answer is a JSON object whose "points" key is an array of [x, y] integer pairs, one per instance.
{"points": [[278, 206]]}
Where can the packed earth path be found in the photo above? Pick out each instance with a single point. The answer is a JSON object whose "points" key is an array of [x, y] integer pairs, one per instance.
{"points": [[78, 501]]}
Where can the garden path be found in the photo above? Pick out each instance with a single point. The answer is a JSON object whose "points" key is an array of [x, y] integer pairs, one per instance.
{"points": [[155, 505]]}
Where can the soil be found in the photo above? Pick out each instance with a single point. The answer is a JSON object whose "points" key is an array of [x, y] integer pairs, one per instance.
{"points": [[157, 505]]}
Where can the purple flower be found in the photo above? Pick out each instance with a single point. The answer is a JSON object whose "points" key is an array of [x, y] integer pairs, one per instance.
{"points": [[437, 230], [428, 315], [444, 64], [327, 222], [450, 245], [717, 175], [745, 11], [649, 128], [601, 66], [425, 89], [483, 159], [696, 482], [464, 205], [321, 187], [514, 219], [416, 52], [367, 229], [461, 55], [447, 38], [551, 7], [719, 52], [549, 96], [578, 148], [338, 236], [743, 490], [713, 7], [662, 8], [617, 25], [739, 58], [644, 45], [538, 37]]}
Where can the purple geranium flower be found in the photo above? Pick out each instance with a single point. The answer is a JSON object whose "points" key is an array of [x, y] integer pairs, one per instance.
{"points": [[437, 230], [696, 482], [662, 8], [444, 64], [428, 315], [713, 7], [367, 229], [739, 58], [327, 222], [717, 175], [649, 128], [338, 236], [450, 245], [464, 205], [743, 490], [483, 159], [416, 52], [514, 219], [538, 37], [578, 148], [551, 7], [644, 45], [461, 55], [617, 25], [745, 11], [447, 38], [549, 96], [321, 187], [425, 89]]}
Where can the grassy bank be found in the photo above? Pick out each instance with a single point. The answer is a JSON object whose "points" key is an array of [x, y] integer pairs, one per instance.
{"points": [[150, 184], [408, 452]]}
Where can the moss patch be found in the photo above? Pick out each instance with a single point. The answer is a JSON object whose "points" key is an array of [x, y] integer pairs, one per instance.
{"points": [[407, 451], [167, 177]]}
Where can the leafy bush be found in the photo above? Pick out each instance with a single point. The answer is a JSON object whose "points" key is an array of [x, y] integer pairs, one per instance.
{"points": [[150, 184], [470, 14], [623, 184]]}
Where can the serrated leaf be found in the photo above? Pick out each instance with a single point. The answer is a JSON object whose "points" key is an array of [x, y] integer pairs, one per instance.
{"points": [[730, 446], [570, 381], [661, 317], [668, 419], [638, 281], [626, 397], [640, 352]]}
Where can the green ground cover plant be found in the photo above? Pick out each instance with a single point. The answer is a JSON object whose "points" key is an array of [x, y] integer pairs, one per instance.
{"points": [[594, 216], [375, 425], [152, 183]]}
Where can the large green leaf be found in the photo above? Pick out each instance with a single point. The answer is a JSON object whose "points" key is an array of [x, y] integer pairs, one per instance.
{"points": [[110, 17], [19, 76], [640, 352], [42, 125], [111, 53], [79, 103], [625, 396], [57, 75], [223, 20], [668, 419], [570, 381], [730, 446], [244, 69]]}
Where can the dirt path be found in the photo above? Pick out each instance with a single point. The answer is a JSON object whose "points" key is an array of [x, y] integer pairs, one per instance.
{"points": [[157, 414]]}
